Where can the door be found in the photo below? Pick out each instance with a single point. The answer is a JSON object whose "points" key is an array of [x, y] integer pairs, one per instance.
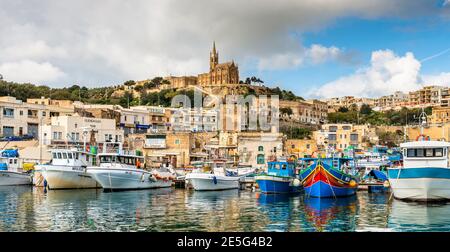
{"points": [[8, 131]]}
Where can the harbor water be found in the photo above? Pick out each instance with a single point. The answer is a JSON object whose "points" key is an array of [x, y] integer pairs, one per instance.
{"points": [[24, 208]]}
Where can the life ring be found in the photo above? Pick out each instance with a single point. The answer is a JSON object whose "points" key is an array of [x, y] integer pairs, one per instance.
{"points": [[424, 137]]}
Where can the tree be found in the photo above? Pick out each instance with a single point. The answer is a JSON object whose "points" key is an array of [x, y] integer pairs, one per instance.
{"points": [[343, 109], [287, 111], [365, 109], [129, 83]]}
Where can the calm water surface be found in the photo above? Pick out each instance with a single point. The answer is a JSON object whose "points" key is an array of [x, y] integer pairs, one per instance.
{"points": [[30, 209]]}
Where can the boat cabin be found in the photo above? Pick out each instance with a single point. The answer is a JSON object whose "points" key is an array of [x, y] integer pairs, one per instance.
{"points": [[109, 159], [9, 161], [72, 157], [281, 168], [425, 154]]}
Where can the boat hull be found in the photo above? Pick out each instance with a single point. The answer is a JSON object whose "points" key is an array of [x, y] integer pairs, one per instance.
{"points": [[274, 184], [319, 180], [9, 178], [126, 179], [206, 182], [420, 184], [67, 177]]}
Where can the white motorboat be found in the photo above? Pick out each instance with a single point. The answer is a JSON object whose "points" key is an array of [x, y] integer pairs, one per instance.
{"points": [[122, 170], [11, 172], [67, 170], [212, 178]]}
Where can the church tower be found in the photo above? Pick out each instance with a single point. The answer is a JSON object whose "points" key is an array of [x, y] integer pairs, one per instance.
{"points": [[213, 58]]}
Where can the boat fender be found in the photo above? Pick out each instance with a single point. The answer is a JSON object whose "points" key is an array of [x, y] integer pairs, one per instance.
{"points": [[45, 183], [143, 177], [386, 184], [215, 180], [152, 178], [352, 183], [296, 182]]}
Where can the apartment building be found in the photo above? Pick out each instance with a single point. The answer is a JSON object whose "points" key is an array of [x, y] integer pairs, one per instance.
{"points": [[76, 130], [308, 112], [193, 120], [398, 99], [339, 136], [299, 148], [428, 96], [18, 118], [440, 115], [257, 148]]}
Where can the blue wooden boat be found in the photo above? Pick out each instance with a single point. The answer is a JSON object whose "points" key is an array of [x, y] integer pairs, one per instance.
{"points": [[280, 178], [328, 177]]}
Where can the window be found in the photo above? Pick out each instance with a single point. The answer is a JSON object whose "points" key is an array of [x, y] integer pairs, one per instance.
{"points": [[54, 155], [59, 155], [293, 146], [43, 113], [21, 112], [76, 156], [177, 141], [419, 153], [260, 148], [308, 146], [438, 152], [332, 137], [428, 152], [70, 155], [8, 112], [64, 155]]}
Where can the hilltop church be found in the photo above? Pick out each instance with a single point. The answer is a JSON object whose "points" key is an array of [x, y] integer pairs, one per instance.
{"points": [[219, 74]]}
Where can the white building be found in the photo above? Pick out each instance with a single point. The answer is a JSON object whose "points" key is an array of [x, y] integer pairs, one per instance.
{"points": [[76, 130], [194, 120], [18, 118]]}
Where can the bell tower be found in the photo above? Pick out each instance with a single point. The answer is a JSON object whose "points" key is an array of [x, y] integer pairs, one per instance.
{"points": [[213, 58]]}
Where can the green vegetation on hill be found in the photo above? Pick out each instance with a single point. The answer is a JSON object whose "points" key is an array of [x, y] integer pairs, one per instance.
{"points": [[366, 115]]}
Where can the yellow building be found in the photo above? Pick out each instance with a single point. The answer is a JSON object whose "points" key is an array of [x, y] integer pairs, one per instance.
{"points": [[434, 131], [342, 136], [440, 115], [301, 147]]}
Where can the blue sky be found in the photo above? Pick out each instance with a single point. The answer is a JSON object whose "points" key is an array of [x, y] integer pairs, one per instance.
{"points": [[423, 37], [317, 49]]}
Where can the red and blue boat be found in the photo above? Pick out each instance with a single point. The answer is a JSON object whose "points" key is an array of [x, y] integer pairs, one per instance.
{"points": [[279, 178], [328, 177]]}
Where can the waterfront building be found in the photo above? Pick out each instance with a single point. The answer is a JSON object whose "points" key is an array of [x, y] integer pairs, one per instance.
{"points": [[436, 131], [178, 149], [51, 102], [300, 148], [18, 118], [75, 130], [257, 148], [342, 136]]}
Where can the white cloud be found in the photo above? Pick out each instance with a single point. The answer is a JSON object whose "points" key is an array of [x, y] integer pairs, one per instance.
{"points": [[442, 79], [30, 72], [103, 42], [316, 54], [386, 74]]}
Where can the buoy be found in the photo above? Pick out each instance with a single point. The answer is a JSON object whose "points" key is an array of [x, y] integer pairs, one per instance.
{"points": [[386, 183], [352, 183], [296, 182]]}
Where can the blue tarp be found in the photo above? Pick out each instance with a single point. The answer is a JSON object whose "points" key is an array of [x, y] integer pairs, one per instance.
{"points": [[378, 175], [10, 153]]}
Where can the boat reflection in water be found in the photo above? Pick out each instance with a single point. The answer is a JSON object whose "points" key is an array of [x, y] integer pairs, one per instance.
{"points": [[414, 216], [15, 206], [280, 212], [328, 214]]}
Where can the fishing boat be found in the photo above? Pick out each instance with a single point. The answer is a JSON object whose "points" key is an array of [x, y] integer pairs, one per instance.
{"points": [[375, 181], [213, 176], [328, 177], [122, 170], [11, 172], [67, 169], [280, 178], [425, 174]]}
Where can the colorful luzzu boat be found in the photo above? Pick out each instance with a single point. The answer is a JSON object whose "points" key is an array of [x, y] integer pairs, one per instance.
{"points": [[280, 178], [326, 177]]}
